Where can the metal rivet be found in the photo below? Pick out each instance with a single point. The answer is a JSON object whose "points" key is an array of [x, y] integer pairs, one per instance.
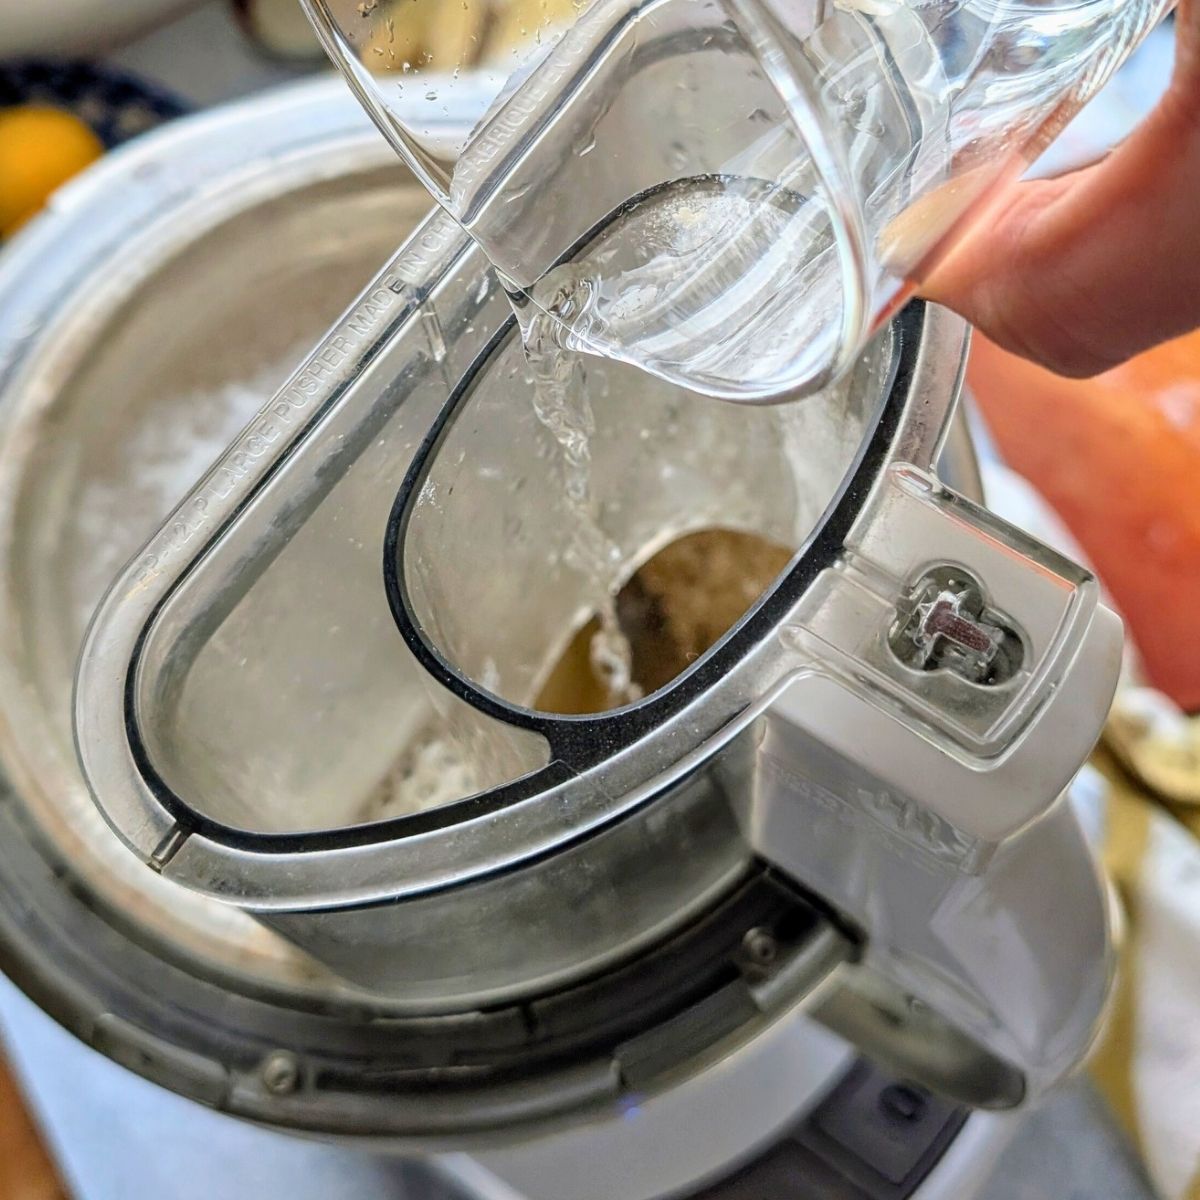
{"points": [[760, 947], [280, 1072]]}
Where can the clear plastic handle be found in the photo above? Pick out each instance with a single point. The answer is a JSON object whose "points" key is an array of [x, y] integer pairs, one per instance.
{"points": [[952, 674], [963, 665]]}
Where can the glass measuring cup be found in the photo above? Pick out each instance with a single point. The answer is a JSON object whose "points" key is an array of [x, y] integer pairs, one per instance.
{"points": [[835, 151]]}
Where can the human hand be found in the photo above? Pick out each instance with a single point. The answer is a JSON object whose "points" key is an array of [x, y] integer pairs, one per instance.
{"points": [[1083, 272]]}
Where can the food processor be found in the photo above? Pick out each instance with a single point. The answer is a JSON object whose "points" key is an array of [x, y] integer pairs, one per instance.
{"points": [[812, 917]]}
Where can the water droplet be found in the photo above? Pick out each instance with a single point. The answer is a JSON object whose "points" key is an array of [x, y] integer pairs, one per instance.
{"points": [[431, 95]]}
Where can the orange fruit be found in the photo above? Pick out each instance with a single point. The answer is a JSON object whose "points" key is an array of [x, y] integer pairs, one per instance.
{"points": [[40, 148], [1118, 457]]}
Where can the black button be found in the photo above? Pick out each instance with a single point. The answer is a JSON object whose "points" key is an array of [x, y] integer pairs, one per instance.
{"points": [[902, 1102], [882, 1123]]}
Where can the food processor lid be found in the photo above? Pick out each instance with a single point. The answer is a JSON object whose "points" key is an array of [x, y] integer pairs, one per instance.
{"points": [[400, 350], [245, 686], [425, 330]]}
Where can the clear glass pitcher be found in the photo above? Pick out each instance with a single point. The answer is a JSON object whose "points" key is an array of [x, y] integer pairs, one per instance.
{"points": [[785, 172], [833, 151]]}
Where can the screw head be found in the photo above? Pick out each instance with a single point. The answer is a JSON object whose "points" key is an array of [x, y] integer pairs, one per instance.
{"points": [[760, 947], [280, 1072]]}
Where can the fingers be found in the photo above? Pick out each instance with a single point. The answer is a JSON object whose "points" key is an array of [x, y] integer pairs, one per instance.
{"points": [[1084, 272]]}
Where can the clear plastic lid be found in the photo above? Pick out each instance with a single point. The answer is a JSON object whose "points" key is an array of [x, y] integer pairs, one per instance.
{"points": [[320, 693], [376, 581]]}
